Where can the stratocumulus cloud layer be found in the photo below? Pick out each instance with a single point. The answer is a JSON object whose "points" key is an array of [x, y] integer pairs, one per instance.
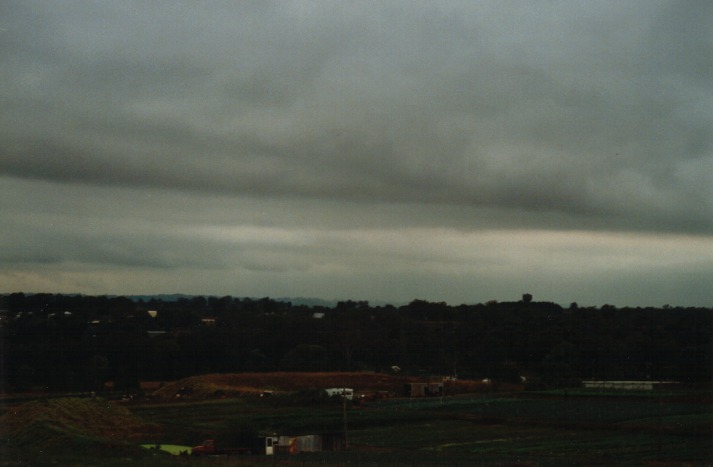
{"points": [[457, 151]]}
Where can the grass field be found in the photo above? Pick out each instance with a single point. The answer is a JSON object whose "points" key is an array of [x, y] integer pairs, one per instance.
{"points": [[478, 429], [515, 428]]}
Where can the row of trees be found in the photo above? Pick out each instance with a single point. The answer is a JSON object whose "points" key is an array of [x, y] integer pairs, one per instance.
{"points": [[62, 342]]}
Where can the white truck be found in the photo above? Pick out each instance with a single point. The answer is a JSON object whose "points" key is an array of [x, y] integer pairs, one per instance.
{"points": [[347, 393]]}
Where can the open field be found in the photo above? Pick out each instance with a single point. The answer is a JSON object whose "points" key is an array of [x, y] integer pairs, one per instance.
{"points": [[480, 428], [487, 429]]}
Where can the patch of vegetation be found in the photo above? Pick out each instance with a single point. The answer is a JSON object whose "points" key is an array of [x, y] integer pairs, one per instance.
{"points": [[71, 428], [173, 449]]}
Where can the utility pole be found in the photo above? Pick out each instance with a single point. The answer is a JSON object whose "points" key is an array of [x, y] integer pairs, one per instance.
{"points": [[344, 415]]}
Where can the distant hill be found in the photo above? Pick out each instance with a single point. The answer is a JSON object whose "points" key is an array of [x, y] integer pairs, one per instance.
{"points": [[308, 301], [163, 297], [298, 301], [175, 297]]}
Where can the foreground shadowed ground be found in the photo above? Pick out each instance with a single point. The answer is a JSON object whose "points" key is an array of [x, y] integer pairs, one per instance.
{"points": [[574, 427]]}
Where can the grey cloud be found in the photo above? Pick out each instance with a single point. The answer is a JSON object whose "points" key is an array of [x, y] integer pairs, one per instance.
{"points": [[406, 107], [58, 243], [458, 115]]}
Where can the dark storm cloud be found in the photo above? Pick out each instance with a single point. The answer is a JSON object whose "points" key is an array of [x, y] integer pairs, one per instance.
{"points": [[402, 104], [324, 119]]}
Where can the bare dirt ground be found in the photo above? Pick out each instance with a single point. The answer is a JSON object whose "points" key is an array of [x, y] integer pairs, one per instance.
{"points": [[246, 384]]}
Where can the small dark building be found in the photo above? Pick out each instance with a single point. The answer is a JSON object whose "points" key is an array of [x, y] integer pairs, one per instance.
{"points": [[423, 389]]}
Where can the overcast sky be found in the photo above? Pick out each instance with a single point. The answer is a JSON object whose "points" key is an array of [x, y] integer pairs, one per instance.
{"points": [[383, 151]]}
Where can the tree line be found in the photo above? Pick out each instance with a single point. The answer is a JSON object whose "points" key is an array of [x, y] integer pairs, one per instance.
{"points": [[77, 343]]}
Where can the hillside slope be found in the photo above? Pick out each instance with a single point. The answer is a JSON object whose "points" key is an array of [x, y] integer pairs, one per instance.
{"points": [[71, 425]]}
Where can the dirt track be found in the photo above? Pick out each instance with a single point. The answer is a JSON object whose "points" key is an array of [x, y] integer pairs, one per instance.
{"points": [[240, 384]]}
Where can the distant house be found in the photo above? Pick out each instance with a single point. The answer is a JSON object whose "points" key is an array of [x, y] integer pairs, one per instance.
{"points": [[210, 322], [423, 389]]}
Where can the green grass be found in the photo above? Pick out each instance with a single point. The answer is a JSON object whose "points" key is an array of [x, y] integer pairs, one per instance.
{"points": [[173, 449], [587, 411], [463, 430], [467, 429]]}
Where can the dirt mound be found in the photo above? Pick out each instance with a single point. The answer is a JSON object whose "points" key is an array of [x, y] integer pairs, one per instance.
{"points": [[69, 423], [238, 384], [241, 384]]}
